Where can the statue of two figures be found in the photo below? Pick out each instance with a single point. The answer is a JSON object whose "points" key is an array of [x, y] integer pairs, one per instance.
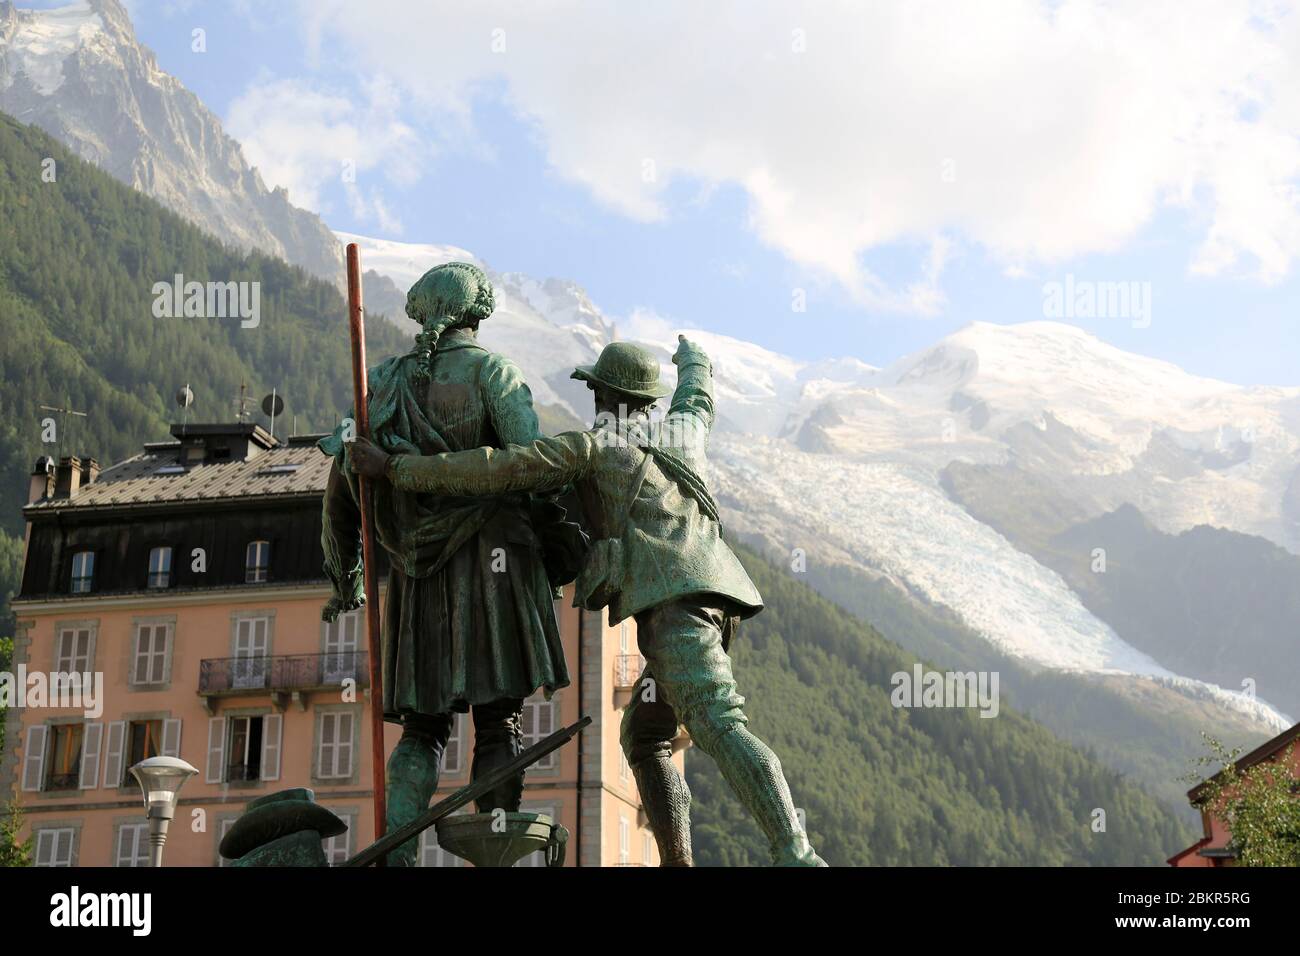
{"points": [[464, 494]]}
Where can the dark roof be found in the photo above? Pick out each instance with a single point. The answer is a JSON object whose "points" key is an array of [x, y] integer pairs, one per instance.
{"points": [[293, 467]]}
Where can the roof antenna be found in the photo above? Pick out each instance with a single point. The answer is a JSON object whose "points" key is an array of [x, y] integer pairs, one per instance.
{"points": [[66, 410], [272, 405], [185, 398], [241, 403]]}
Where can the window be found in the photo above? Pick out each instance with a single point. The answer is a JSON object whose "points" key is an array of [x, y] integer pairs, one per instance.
{"points": [[245, 759], [453, 758], [624, 638], [252, 650], [334, 760], [65, 757], [647, 849], [145, 740], [241, 747], [624, 770], [342, 637], [83, 572], [54, 846], [539, 722], [160, 568], [133, 844], [257, 562], [150, 664], [72, 651], [624, 841], [339, 848]]}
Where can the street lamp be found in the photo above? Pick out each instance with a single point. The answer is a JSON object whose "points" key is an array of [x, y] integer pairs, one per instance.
{"points": [[160, 779]]}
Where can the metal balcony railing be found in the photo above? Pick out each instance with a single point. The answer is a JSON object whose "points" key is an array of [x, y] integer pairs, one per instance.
{"points": [[282, 672], [627, 668]]}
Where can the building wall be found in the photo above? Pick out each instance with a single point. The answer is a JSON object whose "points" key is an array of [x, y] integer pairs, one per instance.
{"points": [[588, 778]]}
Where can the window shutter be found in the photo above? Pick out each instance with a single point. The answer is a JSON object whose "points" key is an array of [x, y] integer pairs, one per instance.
{"points": [[325, 751], [45, 840], [139, 664], [344, 743], [63, 847], [125, 845], [34, 757], [272, 724], [171, 742], [90, 750], [216, 750], [113, 754]]}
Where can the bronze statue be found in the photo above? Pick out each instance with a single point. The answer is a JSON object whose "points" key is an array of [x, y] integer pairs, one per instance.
{"points": [[469, 620], [660, 558]]}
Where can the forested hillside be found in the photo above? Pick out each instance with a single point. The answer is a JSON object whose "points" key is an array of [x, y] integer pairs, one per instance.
{"points": [[887, 786], [79, 257]]}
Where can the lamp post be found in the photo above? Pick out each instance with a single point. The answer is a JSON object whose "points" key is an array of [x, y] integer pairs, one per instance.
{"points": [[160, 779]]}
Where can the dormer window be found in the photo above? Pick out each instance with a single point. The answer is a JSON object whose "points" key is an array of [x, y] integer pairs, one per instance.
{"points": [[160, 567], [257, 562], [83, 572]]}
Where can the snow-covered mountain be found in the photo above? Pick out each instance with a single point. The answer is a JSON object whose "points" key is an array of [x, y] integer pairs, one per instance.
{"points": [[79, 73], [1108, 426]]}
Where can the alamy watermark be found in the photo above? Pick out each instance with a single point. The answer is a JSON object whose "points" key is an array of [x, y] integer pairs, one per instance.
{"points": [[38, 690], [922, 688], [1086, 299], [208, 300]]}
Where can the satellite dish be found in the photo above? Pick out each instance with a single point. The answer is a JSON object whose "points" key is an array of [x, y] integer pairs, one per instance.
{"points": [[272, 405], [184, 396]]}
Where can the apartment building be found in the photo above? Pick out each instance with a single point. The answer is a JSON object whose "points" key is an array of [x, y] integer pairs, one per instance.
{"points": [[189, 577]]}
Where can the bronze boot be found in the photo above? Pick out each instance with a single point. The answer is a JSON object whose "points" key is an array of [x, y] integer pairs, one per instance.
{"points": [[412, 781], [754, 773], [667, 802]]}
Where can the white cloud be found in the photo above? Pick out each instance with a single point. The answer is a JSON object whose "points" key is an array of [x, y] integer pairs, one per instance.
{"points": [[1038, 131], [305, 139]]}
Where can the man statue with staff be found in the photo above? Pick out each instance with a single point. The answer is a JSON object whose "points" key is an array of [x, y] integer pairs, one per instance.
{"points": [[660, 559], [468, 618]]}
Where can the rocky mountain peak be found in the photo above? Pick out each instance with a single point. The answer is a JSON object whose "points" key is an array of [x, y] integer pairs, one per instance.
{"points": [[79, 72]]}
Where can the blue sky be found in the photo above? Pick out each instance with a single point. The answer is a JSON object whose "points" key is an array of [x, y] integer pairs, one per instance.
{"points": [[519, 170]]}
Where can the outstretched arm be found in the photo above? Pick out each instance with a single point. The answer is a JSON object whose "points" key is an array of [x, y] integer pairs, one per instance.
{"points": [[694, 392], [545, 464]]}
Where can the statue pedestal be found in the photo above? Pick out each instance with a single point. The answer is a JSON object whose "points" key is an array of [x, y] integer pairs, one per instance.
{"points": [[502, 839]]}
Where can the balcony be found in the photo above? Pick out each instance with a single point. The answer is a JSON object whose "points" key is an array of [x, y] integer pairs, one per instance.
{"points": [[627, 668], [282, 677]]}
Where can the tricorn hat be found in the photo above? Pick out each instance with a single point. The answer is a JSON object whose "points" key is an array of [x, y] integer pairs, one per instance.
{"points": [[625, 368]]}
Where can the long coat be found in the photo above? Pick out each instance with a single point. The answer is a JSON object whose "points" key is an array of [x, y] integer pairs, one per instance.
{"points": [[660, 511], [469, 616]]}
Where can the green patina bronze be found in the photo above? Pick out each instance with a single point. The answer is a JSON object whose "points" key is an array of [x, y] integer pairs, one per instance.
{"points": [[284, 828], [660, 557], [469, 622]]}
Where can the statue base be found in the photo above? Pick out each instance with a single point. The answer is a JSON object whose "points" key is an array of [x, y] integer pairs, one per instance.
{"points": [[502, 839]]}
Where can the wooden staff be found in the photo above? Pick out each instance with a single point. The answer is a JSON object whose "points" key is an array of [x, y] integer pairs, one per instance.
{"points": [[360, 392]]}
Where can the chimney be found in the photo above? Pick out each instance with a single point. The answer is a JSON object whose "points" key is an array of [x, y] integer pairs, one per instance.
{"points": [[42, 483], [89, 471], [67, 477]]}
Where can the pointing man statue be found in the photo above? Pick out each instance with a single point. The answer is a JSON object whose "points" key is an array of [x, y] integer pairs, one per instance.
{"points": [[660, 559]]}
